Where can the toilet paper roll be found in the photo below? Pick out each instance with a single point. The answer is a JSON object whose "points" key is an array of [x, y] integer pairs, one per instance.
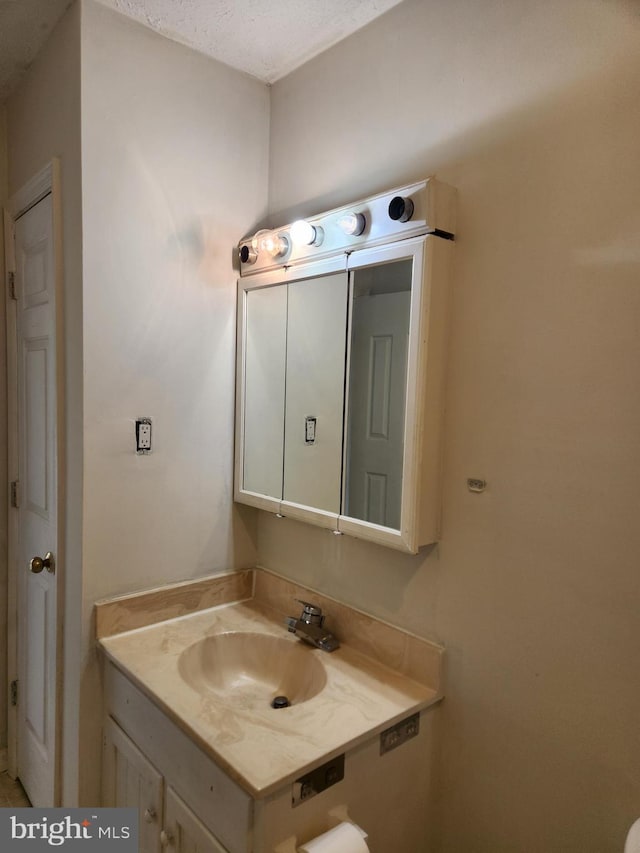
{"points": [[633, 839], [343, 838]]}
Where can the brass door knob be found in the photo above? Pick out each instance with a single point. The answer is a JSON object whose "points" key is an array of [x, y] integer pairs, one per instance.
{"points": [[47, 562]]}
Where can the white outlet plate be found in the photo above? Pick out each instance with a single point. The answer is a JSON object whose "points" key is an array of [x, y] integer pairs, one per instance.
{"points": [[143, 436]]}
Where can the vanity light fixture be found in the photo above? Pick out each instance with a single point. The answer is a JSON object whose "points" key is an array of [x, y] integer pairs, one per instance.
{"points": [[303, 233], [352, 224]]}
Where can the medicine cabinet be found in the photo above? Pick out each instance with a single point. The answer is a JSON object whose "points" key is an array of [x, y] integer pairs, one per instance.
{"points": [[340, 371]]}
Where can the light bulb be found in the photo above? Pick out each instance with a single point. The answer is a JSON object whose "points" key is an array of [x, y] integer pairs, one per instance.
{"points": [[257, 238], [275, 245], [352, 224], [303, 233]]}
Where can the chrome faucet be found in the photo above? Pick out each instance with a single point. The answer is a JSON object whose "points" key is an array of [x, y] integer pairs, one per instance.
{"points": [[309, 627]]}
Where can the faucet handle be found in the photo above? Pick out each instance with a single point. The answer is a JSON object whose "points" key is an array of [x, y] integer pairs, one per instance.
{"points": [[311, 613]]}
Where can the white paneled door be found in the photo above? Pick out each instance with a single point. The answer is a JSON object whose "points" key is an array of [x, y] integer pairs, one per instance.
{"points": [[37, 495]]}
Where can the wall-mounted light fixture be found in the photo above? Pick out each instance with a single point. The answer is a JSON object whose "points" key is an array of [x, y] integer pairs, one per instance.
{"points": [[405, 212]]}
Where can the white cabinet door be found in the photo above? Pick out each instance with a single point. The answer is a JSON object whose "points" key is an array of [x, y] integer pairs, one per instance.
{"points": [[130, 780], [183, 832], [221, 804]]}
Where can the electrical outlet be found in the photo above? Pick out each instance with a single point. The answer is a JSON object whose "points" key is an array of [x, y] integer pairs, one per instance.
{"points": [[317, 780], [143, 436], [310, 429], [398, 734]]}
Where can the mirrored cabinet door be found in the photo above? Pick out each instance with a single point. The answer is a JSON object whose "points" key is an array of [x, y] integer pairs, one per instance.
{"points": [[394, 397], [265, 353], [377, 392], [290, 392], [316, 345]]}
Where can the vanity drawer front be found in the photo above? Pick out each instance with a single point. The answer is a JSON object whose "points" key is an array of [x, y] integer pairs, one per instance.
{"points": [[221, 805]]}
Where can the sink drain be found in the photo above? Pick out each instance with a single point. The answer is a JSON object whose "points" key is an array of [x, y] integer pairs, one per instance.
{"points": [[280, 702]]}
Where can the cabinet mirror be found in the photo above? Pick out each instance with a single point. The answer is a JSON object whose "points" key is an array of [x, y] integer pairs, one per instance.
{"points": [[377, 391], [339, 393], [292, 391]]}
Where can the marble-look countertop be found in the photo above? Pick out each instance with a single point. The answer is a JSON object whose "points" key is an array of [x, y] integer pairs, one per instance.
{"points": [[264, 749]]}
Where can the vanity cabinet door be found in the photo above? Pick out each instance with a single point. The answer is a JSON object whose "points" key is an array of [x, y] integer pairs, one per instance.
{"points": [[130, 780], [224, 808], [165, 821], [183, 832]]}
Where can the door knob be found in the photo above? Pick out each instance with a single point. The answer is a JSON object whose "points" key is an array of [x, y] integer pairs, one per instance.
{"points": [[47, 562], [166, 838]]}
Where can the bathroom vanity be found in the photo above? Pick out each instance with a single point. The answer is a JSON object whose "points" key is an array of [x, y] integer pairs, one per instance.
{"points": [[191, 738]]}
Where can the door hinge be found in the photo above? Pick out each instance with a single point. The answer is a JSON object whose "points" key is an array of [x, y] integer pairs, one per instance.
{"points": [[11, 284], [15, 497], [14, 692]]}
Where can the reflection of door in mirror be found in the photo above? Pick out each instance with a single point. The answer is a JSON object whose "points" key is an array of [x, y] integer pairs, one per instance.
{"points": [[316, 348], [264, 389], [377, 392]]}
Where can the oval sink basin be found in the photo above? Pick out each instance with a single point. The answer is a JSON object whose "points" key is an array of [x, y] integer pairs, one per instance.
{"points": [[250, 670]]}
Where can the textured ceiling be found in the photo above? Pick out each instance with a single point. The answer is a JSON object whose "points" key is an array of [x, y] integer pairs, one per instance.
{"points": [[265, 38]]}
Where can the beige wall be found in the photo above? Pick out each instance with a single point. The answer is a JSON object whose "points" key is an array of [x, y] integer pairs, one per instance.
{"points": [[174, 166], [174, 169], [4, 191], [44, 122], [533, 111]]}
